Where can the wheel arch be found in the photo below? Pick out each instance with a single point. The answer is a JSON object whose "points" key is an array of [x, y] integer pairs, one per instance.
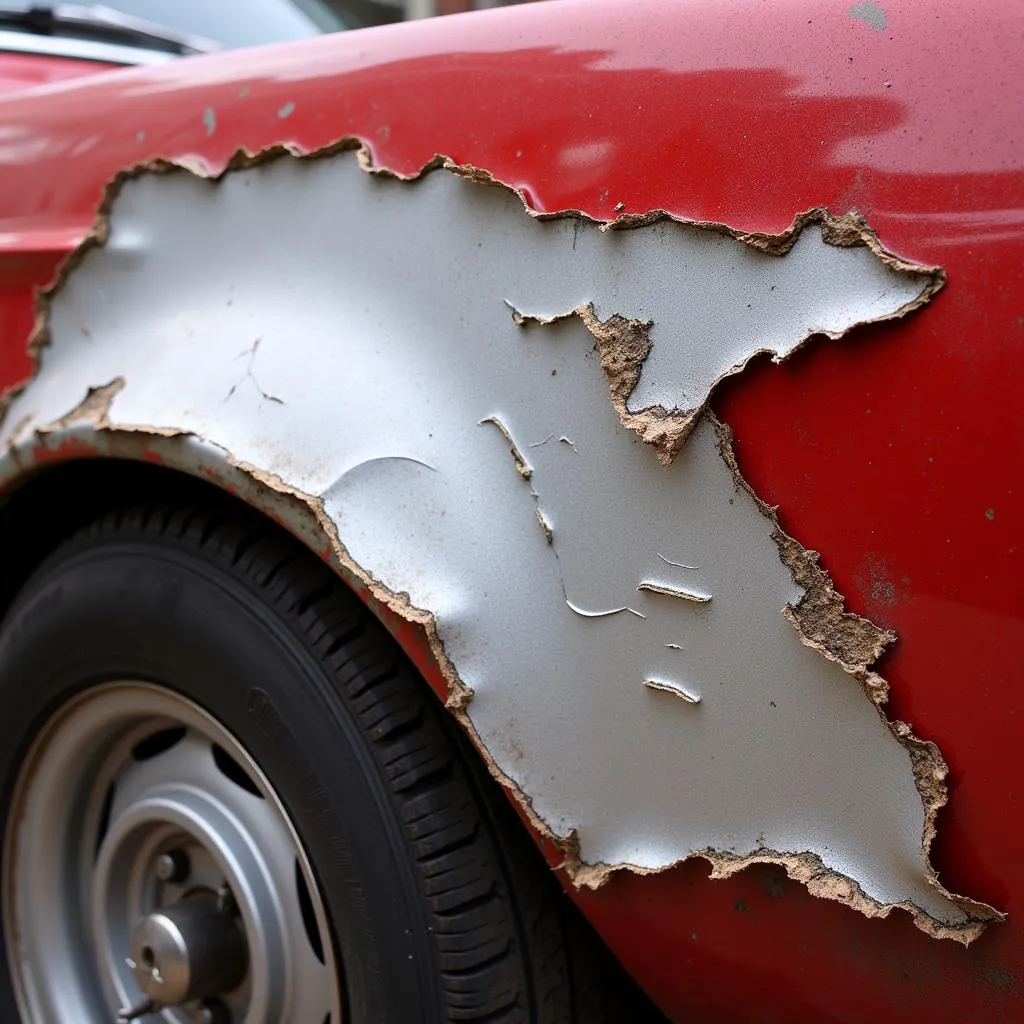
{"points": [[57, 481]]}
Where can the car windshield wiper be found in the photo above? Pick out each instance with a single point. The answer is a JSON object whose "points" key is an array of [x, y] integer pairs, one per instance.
{"points": [[100, 23]]}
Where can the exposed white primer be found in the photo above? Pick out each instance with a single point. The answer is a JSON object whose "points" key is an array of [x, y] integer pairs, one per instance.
{"points": [[350, 333]]}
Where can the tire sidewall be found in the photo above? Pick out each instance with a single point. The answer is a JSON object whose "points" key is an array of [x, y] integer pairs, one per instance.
{"points": [[138, 610]]}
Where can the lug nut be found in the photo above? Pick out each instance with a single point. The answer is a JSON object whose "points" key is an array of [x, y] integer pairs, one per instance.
{"points": [[213, 1011], [172, 866]]}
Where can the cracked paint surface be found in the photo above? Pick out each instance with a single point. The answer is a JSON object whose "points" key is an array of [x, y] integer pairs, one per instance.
{"points": [[460, 391]]}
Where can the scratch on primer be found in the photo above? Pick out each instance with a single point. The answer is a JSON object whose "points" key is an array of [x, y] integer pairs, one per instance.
{"points": [[385, 458], [674, 647], [523, 468], [601, 614], [683, 595], [676, 691], [250, 375], [561, 440], [679, 565]]}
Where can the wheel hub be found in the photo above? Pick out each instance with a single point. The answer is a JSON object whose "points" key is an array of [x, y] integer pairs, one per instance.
{"points": [[188, 951], [188, 897]]}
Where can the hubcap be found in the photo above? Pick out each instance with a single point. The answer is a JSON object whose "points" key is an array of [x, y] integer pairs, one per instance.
{"points": [[151, 872]]}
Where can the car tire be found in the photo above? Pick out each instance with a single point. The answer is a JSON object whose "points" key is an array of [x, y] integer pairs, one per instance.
{"points": [[431, 903]]}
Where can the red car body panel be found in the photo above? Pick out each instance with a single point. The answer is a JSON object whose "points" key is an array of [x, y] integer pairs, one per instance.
{"points": [[20, 71], [741, 113]]}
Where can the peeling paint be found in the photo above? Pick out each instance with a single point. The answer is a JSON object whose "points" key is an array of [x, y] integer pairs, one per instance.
{"points": [[823, 624], [17, 430], [542, 635], [667, 591], [545, 526], [660, 393], [522, 466], [674, 688], [94, 409]]}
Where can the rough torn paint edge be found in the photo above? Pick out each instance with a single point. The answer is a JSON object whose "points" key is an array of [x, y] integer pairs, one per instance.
{"points": [[617, 342], [822, 623], [623, 345], [94, 408]]}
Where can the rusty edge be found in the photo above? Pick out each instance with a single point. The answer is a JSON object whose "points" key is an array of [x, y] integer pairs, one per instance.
{"points": [[819, 617]]}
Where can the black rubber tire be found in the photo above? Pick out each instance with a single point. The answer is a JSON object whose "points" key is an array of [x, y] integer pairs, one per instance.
{"points": [[441, 908]]}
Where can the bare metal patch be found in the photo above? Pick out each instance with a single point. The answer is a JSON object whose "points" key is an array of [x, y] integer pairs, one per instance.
{"points": [[658, 671]]}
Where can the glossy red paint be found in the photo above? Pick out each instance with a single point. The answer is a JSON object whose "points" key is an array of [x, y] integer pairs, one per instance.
{"points": [[897, 451], [20, 71]]}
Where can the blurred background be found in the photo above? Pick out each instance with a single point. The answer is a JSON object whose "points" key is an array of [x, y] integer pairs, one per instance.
{"points": [[181, 27], [403, 10]]}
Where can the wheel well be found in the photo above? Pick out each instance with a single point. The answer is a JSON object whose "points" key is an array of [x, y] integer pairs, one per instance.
{"points": [[50, 504]]}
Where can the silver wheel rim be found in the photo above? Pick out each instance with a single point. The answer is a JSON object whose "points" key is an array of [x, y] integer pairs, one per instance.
{"points": [[135, 806]]}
